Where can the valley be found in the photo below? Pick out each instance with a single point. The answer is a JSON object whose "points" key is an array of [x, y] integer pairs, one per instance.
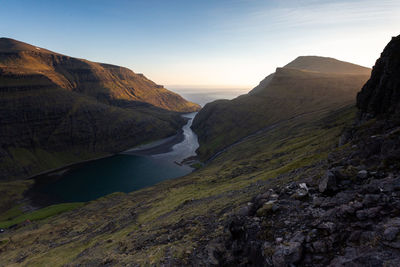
{"points": [[58, 110], [301, 171]]}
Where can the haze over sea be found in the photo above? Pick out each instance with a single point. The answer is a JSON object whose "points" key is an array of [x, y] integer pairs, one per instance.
{"points": [[204, 95]]}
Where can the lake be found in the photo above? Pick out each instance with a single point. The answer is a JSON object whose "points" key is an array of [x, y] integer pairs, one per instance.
{"points": [[125, 172], [131, 170]]}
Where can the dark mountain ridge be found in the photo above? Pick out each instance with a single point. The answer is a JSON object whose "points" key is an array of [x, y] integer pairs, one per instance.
{"points": [[381, 94], [291, 91], [57, 110]]}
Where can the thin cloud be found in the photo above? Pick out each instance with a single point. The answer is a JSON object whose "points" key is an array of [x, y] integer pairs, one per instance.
{"points": [[312, 13]]}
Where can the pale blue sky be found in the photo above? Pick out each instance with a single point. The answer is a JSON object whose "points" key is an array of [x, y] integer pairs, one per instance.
{"points": [[216, 43]]}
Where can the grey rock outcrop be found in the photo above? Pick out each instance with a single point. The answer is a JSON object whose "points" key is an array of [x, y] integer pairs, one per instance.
{"points": [[381, 94]]}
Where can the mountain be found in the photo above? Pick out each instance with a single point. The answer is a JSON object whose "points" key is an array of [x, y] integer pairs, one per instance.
{"points": [[326, 65], [104, 82], [286, 196], [294, 90], [56, 110]]}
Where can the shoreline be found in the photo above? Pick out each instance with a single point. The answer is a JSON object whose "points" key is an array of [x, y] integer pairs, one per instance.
{"points": [[146, 152], [40, 200], [159, 146], [64, 167]]}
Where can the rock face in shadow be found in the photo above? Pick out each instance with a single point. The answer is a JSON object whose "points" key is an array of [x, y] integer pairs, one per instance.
{"points": [[381, 94], [57, 110]]}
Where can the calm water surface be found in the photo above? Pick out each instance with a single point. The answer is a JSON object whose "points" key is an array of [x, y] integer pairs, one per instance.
{"points": [[119, 173]]}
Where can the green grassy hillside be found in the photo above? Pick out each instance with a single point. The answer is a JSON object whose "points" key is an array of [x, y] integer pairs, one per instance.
{"points": [[174, 222], [286, 94]]}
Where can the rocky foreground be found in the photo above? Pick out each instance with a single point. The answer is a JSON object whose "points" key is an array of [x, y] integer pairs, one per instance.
{"points": [[349, 217]]}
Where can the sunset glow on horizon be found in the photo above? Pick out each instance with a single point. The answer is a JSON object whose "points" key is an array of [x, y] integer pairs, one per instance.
{"points": [[224, 44]]}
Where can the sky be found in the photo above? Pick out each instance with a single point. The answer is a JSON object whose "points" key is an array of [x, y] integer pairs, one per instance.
{"points": [[204, 43]]}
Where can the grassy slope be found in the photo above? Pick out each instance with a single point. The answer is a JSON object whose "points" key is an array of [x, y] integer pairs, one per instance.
{"points": [[176, 218], [15, 216], [11, 193], [289, 93]]}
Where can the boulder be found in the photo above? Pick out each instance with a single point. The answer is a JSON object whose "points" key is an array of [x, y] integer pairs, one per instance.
{"points": [[363, 174], [390, 233], [319, 246], [328, 182], [266, 209], [371, 200], [247, 210], [300, 193], [287, 254]]}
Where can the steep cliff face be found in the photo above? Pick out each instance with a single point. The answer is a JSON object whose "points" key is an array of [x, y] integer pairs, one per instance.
{"points": [[103, 81], [294, 90], [381, 94], [56, 110]]}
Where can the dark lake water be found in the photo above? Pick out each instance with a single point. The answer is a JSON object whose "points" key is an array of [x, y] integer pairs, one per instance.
{"points": [[126, 172], [120, 173]]}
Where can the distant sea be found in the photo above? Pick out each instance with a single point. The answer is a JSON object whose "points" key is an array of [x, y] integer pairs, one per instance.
{"points": [[204, 96]]}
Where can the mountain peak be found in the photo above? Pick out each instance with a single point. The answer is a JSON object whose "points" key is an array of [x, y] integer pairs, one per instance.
{"points": [[316, 65], [326, 65]]}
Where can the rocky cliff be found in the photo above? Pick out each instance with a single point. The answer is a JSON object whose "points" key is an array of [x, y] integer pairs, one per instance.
{"points": [[381, 94], [348, 217], [56, 110]]}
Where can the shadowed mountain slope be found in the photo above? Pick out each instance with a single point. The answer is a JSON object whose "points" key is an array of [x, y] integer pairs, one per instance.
{"points": [[381, 94], [291, 91], [56, 110]]}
